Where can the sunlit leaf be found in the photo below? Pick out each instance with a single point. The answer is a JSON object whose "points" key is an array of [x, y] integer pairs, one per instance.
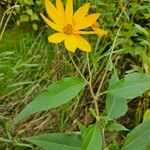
{"points": [[146, 115], [57, 141], [138, 138], [116, 127], [116, 106], [133, 85], [55, 95], [92, 139]]}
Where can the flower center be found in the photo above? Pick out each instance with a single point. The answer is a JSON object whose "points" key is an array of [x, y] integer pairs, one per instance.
{"points": [[68, 29]]}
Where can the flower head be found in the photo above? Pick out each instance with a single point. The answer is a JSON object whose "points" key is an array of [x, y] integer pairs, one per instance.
{"points": [[69, 25]]}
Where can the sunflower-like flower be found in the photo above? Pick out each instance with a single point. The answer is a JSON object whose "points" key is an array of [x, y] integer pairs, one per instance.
{"points": [[69, 25]]}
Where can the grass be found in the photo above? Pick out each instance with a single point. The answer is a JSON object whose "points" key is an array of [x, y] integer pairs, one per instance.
{"points": [[28, 64], [25, 64]]}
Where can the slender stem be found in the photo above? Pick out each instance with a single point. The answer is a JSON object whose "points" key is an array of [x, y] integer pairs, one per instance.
{"points": [[109, 59], [94, 96], [88, 63], [78, 68], [101, 83], [91, 88], [95, 99], [12, 9]]}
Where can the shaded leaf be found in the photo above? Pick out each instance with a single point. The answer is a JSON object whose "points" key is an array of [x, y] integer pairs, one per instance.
{"points": [[114, 146]]}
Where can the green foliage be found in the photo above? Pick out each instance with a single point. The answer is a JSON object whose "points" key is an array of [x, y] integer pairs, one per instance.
{"points": [[128, 87], [116, 106], [146, 115], [139, 138], [22, 63], [8, 138], [55, 95], [116, 127], [57, 141], [25, 11], [114, 146], [92, 139]]}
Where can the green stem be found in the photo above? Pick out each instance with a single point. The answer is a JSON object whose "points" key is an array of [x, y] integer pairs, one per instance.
{"points": [[95, 99], [78, 68]]}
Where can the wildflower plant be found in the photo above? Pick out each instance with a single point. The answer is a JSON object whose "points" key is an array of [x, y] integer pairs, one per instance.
{"points": [[71, 27]]}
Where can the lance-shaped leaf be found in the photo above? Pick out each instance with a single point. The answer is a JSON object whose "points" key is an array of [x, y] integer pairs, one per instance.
{"points": [[131, 86], [138, 138], [57, 141], [55, 95], [91, 138], [116, 127]]}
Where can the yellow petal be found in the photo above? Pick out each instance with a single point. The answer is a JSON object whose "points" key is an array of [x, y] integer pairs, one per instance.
{"points": [[60, 10], [60, 6], [87, 21], [69, 11], [85, 32], [56, 37], [81, 13], [51, 24], [52, 12], [100, 32], [70, 43], [83, 44]]}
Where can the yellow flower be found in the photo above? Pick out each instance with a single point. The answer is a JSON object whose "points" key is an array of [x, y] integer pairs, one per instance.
{"points": [[70, 26]]}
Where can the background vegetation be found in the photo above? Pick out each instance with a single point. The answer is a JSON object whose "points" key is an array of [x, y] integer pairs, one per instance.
{"points": [[28, 64]]}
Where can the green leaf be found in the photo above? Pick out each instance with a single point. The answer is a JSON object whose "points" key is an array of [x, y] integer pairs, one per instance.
{"points": [[131, 86], [138, 138], [57, 141], [35, 26], [114, 146], [93, 112], [146, 115], [28, 2], [116, 106], [116, 127], [141, 30], [92, 139], [24, 18], [55, 95], [29, 11], [148, 147], [104, 120], [34, 17], [82, 127]]}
